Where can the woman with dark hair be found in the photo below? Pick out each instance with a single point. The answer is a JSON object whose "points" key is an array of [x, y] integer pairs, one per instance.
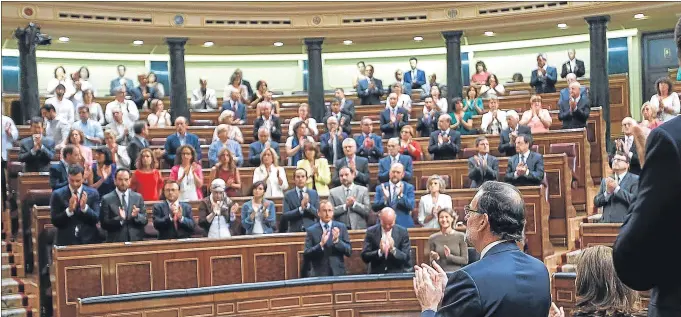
{"points": [[472, 103], [294, 143], [492, 87], [259, 95], [226, 170], [258, 215], [316, 167], [147, 179], [188, 174], [666, 100], [480, 77], [360, 75], [462, 121], [61, 77], [77, 138], [96, 111], [152, 82], [447, 247], [104, 170], [236, 85]]}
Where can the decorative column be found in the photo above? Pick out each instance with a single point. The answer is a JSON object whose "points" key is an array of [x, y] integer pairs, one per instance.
{"points": [[315, 91], [454, 82], [178, 79], [599, 90], [28, 74]]}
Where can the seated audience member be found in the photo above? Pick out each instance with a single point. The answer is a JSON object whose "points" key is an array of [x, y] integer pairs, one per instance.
{"points": [[626, 145], [147, 179], [448, 247], [217, 212], [317, 168], [544, 77], [432, 203], [158, 116], [409, 146], [233, 132], [182, 137], [537, 118], [70, 155], [152, 82], [74, 210], [258, 215], [575, 111], [572, 66], [393, 118], [235, 84], [649, 116], [137, 142], [263, 142], [120, 81], [119, 153], [270, 100], [462, 121], [666, 100], [127, 106], [224, 143], [173, 217], [335, 112], [415, 77], [61, 78], [526, 168], [300, 205], [295, 143], [350, 201], [56, 128], [62, 105], [440, 102], [77, 138], [268, 121], [122, 213], [494, 121], [480, 77], [360, 75], [427, 123], [326, 243], [271, 173], [472, 103], [121, 127], [91, 129], [483, 166], [234, 104], [403, 99], [444, 143], [347, 105], [331, 142], [94, 109], [37, 150], [262, 94], [143, 94], [370, 144], [617, 191], [508, 135], [492, 88], [386, 245], [370, 89], [358, 164], [396, 194], [565, 92], [226, 169], [204, 97], [102, 172], [399, 80], [304, 115], [188, 174], [393, 156]]}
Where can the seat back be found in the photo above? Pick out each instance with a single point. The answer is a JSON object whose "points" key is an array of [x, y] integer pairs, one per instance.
{"points": [[203, 123], [570, 149], [468, 153], [158, 141], [423, 183]]}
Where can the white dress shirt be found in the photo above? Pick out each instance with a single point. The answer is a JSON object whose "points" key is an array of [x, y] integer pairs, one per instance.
{"points": [[79, 193], [497, 125], [274, 190], [7, 140], [219, 227], [64, 107], [201, 101], [128, 107], [312, 125], [490, 246], [426, 208]]}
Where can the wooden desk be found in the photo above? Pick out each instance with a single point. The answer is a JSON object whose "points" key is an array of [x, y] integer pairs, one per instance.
{"points": [[591, 234]]}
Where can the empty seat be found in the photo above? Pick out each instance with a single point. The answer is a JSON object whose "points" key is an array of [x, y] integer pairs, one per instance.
{"points": [[468, 153], [570, 149], [518, 92], [158, 141], [202, 141], [203, 123]]}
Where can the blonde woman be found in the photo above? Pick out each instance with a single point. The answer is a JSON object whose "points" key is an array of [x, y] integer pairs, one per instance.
{"points": [[649, 115], [537, 118], [271, 173], [433, 202]]}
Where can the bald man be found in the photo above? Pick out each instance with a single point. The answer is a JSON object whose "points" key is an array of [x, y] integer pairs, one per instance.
{"points": [[180, 138], [396, 194], [575, 110], [386, 245]]}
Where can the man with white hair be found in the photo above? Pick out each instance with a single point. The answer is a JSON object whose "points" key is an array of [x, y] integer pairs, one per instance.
{"points": [[128, 107], [304, 115], [234, 104], [508, 135], [565, 92], [358, 164], [626, 145], [572, 66], [269, 121], [330, 143], [544, 77], [180, 138], [575, 111], [204, 97]]}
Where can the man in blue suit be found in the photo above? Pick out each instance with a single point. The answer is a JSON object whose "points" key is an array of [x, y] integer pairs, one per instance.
{"points": [[526, 168], [444, 143], [182, 137], [564, 95], [415, 77], [370, 89], [393, 118], [120, 81], [234, 104], [394, 157], [327, 242], [300, 205], [544, 77], [331, 142], [396, 194], [347, 105], [505, 281], [255, 148], [172, 218], [370, 144], [59, 171], [75, 210]]}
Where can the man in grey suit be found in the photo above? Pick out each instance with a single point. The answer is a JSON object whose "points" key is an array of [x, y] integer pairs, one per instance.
{"points": [[618, 191], [122, 213], [358, 164], [526, 168], [350, 202], [327, 242], [482, 167]]}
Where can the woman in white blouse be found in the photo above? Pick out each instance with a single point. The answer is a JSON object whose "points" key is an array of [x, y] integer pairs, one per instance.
{"points": [[494, 121], [159, 118], [492, 87], [665, 100], [270, 172], [60, 77], [235, 85], [96, 112], [440, 102], [432, 203]]}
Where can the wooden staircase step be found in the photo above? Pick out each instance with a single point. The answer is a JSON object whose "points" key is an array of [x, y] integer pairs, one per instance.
{"points": [[20, 312], [17, 286], [17, 300]]}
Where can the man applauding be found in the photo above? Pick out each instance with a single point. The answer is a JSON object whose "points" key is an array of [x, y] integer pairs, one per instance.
{"points": [[172, 218], [386, 245], [326, 242]]}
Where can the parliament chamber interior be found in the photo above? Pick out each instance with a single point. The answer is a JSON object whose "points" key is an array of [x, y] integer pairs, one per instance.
{"points": [[301, 158]]}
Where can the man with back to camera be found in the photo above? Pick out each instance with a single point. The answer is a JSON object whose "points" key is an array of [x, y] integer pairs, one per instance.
{"points": [[327, 242], [386, 246]]}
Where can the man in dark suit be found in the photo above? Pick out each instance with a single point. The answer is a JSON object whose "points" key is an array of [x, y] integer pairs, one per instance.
{"points": [[234, 104], [626, 145], [415, 77], [300, 205], [398, 195], [483, 166], [444, 143], [394, 157], [358, 164], [618, 191], [119, 81], [393, 118], [172, 218], [327, 242], [386, 246], [37, 150], [505, 281], [255, 148], [74, 209], [331, 142], [347, 105], [527, 167], [138, 142], [428, 121], [508, 135], [544, 77], [59, 171], [268, 121], [370, 144], [182, 137], [343, 119], [575, 111], [350, 201], [370, 89], [572, 66], [143, 94], [122, 214], [564, 94]]}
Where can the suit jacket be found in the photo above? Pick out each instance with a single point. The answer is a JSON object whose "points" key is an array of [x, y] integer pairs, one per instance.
{"points": [[164, 224], [372, 154], [59, 176], [134, 147], [327, 148], [116, 82], [239, 112], [394, 262], [348, 108], [505, 282], [328, 261], [254, 150], [370, 97], [634, 162], [384, 168], [446, 150], [577, 118], [535, 170], [40, 161], [544, 84], [420, 78], [355, 217], [426, 126], [295, 219], [507, 147], [362, 166], [616, 206], [206, 209], [389, 129], [564, 94], [138, 97], [643, 253], [567, 68], [275, 132], [402, 205], [123, 230], [173, 143], [81, 227], [344, 117], [479, 175]]}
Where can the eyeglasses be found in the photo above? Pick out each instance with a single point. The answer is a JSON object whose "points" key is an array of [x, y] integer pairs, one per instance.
{"points": [[618, 159], [467, 210]]}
